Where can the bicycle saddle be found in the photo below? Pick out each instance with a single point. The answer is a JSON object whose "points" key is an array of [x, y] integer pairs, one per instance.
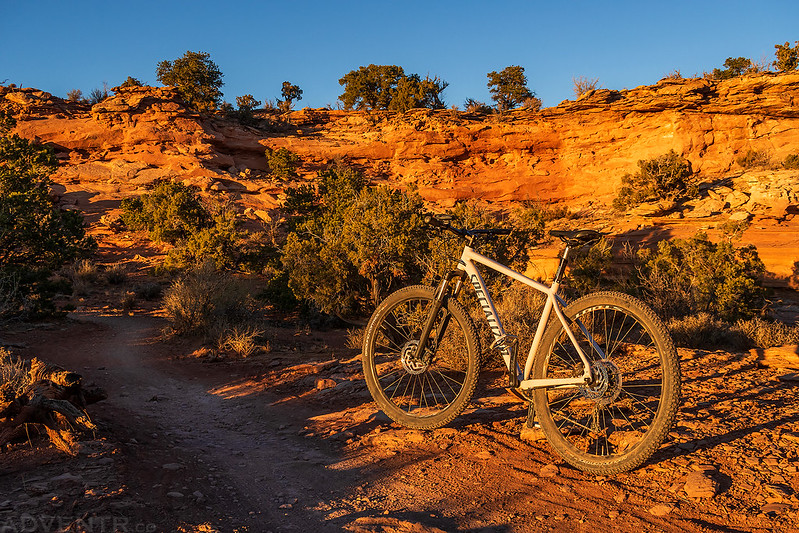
{"points": [[577, 237]]}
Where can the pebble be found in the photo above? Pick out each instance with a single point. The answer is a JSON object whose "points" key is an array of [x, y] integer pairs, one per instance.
{"points": [[549, 470], [776, 508], [172, 466], [325, 383], [661, 509], [175, 494], [700, 484]]}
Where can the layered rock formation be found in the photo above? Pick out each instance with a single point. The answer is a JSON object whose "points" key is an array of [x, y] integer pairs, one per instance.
{"points": [[576, 152]]}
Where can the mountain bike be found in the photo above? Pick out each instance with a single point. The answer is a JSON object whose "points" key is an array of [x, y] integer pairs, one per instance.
{"points": [[602, 376]]}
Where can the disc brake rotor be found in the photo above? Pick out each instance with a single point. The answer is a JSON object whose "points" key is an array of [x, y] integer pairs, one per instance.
{"points": [[410, 359]]}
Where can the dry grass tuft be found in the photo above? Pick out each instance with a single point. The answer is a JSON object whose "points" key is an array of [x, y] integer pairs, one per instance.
{"points": [[355, 338], [116, 274], [14, 374], [242, 341]]}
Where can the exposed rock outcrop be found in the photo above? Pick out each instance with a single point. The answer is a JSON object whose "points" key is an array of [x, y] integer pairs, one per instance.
{"points": [[576, 152]]}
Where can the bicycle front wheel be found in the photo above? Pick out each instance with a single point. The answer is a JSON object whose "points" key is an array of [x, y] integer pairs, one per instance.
{"points": [[617, 422], [420, 391]]}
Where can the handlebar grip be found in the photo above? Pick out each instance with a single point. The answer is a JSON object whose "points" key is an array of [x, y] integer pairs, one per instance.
{"points": [[439, 221]]}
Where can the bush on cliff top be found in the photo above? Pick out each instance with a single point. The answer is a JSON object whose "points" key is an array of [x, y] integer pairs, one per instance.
{"points": [[196, 77], [388, 87]]}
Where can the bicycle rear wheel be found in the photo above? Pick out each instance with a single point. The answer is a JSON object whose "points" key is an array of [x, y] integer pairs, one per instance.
{"points": [[412, 390], [617, 422]]}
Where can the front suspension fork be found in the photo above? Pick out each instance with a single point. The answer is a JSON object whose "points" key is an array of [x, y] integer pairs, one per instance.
{"points": [[443, 292]]}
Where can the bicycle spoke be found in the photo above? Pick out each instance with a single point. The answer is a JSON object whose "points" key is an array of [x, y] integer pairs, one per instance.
{"points": [[447, 381], [646, 407]]}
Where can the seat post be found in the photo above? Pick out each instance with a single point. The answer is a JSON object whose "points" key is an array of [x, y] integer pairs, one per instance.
{"points": [[562, 266]]}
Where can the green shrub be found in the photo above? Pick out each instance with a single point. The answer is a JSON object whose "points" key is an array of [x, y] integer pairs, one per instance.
{"points": [[170, 213], [754, 159], [351, 244], [444, 249], [246, 105], [282, 162], [388, 87], [300, 200], [355, 246], [130, 81], [247, 102], [148, 291], [667, 177], [173, 213], [289, 92], [219, 242], [36, 236], [734, 67], [587, 266], [196, 77], [791, 162], [414, 92], [689, 276]]}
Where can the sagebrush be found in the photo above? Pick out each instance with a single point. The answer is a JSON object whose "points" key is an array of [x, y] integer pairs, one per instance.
{"points": [[667, 177]]}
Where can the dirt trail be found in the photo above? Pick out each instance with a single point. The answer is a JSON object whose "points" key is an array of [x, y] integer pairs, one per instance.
{"points": [[242, 454], [255, 445]]}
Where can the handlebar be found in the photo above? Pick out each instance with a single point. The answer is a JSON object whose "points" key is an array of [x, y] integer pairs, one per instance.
{"points": [[442, 221]]}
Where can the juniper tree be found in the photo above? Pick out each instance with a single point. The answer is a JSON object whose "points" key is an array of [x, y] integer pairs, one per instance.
{"points": [[196, 77]]}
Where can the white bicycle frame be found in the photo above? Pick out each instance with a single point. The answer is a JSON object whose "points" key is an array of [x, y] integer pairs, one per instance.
{"points": [[554, 303]]}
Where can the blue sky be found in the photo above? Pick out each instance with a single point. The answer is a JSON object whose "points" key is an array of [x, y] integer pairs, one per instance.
{"points": [[61, 45]]}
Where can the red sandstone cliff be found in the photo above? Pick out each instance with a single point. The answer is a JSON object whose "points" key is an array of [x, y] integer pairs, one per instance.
{"points": [[576, 152]]}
